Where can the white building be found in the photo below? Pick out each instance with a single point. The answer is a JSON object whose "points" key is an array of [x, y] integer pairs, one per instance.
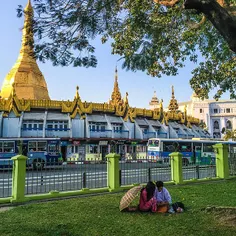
{"points": [[215, 114], [154, 103]]}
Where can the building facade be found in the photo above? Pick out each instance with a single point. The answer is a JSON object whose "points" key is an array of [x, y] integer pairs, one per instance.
{"points": [[215, 114], [87, 131]]}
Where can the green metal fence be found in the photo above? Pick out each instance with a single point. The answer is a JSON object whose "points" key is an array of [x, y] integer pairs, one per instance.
{"points": [[25, 185]]}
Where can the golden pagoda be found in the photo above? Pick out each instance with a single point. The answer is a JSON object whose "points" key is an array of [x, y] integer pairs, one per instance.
{"points": [[173, 105], [25, 76], [116, 98]]}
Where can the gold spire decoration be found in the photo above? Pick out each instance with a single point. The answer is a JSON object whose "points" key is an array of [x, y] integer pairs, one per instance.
{"points": [[26, 76], [173, 105], [77, 93], [116, 95], [161, 105], [126, 101]]}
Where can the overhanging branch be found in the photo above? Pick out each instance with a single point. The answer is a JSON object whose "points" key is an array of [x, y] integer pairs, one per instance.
{"points": [[167, 3], [219, 17]]}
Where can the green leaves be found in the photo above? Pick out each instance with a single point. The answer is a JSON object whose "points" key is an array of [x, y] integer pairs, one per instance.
{"points": [[149, 37]]}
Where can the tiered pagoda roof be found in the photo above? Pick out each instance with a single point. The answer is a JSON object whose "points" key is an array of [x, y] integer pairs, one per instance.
{"points": [[155, 100], [173, 105]]}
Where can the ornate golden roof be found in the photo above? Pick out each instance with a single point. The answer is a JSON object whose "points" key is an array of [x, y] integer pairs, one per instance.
{"points": [[78, 107], [116, 98], [25, 76], [173, 105]]}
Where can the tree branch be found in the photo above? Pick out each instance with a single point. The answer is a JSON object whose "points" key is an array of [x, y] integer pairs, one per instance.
{"points": [[219, 17], [167, 3], [197, 25]]}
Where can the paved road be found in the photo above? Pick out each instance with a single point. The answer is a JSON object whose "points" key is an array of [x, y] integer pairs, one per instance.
{"points": [[75, 177]]}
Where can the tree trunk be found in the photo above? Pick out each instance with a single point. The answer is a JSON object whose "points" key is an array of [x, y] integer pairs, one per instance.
{"points": [[218, 16]]}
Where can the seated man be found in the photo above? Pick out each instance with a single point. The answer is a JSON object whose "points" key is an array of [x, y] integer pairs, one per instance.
{"points": [[163, 198]]}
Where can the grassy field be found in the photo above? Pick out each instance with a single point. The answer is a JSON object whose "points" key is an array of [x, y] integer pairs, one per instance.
{"points": [[100, 215]]}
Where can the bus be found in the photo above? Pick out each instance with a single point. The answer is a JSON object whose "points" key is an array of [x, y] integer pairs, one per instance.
{"points": [[194, 151], [40, 151]]}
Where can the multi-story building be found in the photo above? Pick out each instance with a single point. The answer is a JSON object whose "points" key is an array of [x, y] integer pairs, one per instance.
{"points": [[215, 114], [86, 129]]}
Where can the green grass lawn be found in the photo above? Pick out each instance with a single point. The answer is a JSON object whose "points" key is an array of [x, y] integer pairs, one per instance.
{"points": [[100, 215]]}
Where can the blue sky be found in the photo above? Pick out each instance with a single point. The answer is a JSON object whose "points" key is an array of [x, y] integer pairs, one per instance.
{"points": [[95, 84]]}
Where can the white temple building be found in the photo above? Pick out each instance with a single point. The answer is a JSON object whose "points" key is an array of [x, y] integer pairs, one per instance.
{"points": [[215, 114]]}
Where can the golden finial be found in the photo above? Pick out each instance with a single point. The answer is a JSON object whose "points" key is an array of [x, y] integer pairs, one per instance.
{"points": [[77, 92], [161, 104], [116, 74], [126, 98], [173, 92], [29, 6]]}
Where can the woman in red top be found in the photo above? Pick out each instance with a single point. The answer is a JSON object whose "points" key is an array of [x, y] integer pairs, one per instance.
{"points": [[147, 202]]}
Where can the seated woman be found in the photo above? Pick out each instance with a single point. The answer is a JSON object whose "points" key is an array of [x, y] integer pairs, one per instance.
{"points": [[147, 201], [163, 198]]}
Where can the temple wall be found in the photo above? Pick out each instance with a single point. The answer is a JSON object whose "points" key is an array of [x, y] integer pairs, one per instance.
{"points": [[10, 126], [78, 129]]}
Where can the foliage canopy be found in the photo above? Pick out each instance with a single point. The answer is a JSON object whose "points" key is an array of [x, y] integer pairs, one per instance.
{"points": [[149, 35]]}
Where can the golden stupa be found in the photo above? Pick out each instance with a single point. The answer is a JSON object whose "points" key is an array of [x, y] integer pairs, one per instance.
{"points": [[25, 76]]}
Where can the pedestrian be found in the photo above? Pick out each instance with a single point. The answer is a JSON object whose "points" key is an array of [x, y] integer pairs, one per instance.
{"points": [[147, 202], [163, 198]]}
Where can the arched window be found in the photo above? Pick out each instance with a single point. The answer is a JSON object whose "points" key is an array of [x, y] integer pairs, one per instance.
{"points": [[216, 125], [228, 124]]}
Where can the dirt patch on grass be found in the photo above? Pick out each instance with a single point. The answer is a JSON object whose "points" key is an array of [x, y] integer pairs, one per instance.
{"points": [[225, 216], [2, 209]]}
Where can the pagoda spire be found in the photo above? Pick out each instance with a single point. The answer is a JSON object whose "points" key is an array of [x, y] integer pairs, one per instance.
{"points": [[116, 95], [154, 102], [27, 33], [26, 76], [173, 105]]}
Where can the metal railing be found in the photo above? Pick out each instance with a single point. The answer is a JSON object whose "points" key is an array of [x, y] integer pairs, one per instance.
{"points": [[61, 177], [202, 168], [142, 171], [232, 164], [121, 134], [100, 133], [57, 132], [31, 133], [5, 178]]}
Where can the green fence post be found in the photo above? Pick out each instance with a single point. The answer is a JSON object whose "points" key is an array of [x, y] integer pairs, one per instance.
{"points": [[18, 178], [113, 178], [176, 167], [222, 160]]}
